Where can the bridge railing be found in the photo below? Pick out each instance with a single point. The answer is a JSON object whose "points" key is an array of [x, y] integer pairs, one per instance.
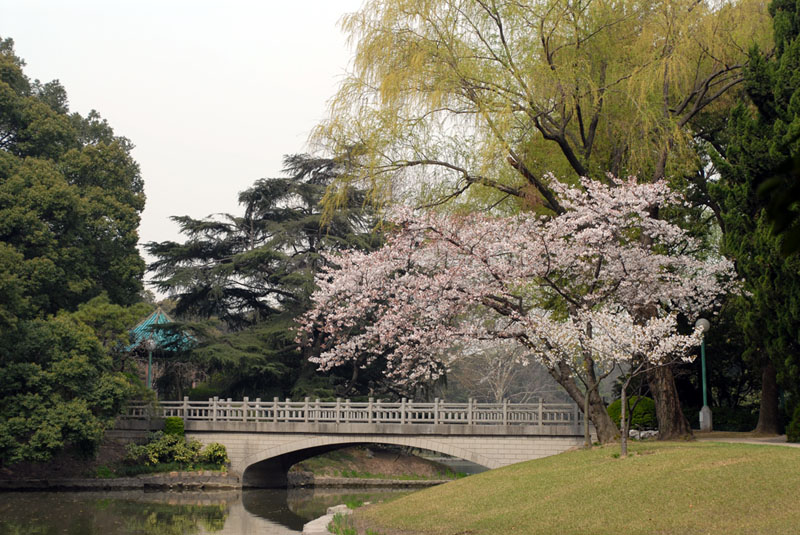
{"points": [[370, 412]]}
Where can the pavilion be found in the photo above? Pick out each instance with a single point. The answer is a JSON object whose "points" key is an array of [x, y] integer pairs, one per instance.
{"points": [[151, 334]]}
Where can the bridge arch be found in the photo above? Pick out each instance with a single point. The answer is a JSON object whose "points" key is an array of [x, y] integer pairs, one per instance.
{"points": [[268, 468]]}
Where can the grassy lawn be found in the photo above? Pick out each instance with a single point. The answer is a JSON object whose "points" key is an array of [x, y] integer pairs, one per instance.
{"points": [[662, 488]]}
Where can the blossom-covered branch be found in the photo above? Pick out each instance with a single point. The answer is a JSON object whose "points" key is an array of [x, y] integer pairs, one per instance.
{"points": [[602, 283]]}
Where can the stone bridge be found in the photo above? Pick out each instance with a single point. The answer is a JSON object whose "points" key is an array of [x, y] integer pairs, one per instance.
{"points": [[264, 439]]}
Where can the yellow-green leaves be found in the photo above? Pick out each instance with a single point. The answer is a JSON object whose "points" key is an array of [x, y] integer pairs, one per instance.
{"points": [[444, 92]]}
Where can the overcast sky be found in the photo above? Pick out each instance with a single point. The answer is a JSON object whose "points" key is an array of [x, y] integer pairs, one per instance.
{"points": [[212, 93]]}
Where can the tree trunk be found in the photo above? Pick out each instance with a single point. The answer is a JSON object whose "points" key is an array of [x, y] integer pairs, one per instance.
{"points": [[603, 424], [768, 418], [623, 420], [671, 421]]}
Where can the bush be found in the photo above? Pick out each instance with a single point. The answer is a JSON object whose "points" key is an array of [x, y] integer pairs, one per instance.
{"points": [[741, 418], [164, 448], [214, 453], [643, 417], [173, 425], [734, 419], [793, 430]]}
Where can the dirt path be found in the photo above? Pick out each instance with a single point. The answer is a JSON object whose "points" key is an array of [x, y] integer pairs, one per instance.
{"points": [[745, 438]]}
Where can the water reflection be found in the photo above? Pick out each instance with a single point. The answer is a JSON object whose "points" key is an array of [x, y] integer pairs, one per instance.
{"points": [[270, 512], [113, 513]]}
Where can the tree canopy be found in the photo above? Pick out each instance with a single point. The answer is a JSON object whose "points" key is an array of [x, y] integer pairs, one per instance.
{"points": [[485, 105], [584, 294], [70, 200], [447, 96], [254, 273], [758, 148]]}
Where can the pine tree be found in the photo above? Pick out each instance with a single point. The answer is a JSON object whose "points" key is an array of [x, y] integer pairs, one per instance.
{"points": [[254, 273], [757, 150]]}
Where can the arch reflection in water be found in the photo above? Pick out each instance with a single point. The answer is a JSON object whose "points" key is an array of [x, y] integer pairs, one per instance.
{"points": [[263, 512]]}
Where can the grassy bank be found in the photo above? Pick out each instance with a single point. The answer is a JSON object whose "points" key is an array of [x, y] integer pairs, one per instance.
{"points": [[662, 488]]}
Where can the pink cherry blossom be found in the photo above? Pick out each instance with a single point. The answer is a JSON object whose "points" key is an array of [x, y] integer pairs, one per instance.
{"points": [[605, 280]]}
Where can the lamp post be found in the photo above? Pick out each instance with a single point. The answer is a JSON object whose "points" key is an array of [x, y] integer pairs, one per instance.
{"points": [[150, 345], [705, 413]]}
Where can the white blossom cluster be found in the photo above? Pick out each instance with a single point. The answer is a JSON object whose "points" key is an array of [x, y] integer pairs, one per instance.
{"points": [[605, 279]]}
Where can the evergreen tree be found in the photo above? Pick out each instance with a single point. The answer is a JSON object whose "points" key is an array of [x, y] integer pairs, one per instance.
{"points": [[254, 273], [757, 147], [70, 200]]}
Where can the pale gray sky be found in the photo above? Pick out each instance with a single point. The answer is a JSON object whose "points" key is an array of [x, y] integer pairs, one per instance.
{"points": [[212, 93]]}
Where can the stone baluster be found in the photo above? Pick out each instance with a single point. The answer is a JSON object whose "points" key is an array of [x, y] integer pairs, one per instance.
{"points": [[540, 417]]}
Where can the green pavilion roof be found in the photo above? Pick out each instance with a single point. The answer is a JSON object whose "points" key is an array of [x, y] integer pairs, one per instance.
{"points": [[148, 329]]}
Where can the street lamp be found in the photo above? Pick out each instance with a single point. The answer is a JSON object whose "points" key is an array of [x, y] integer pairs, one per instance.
{"points": [[705, 413], [150, 345]]}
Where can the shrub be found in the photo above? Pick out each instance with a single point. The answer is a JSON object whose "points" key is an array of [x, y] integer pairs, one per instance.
{"points": [[643, 417], [173, 425], [164, 448], [734, 419], [104, 472], [793, 430], [214, 453]]}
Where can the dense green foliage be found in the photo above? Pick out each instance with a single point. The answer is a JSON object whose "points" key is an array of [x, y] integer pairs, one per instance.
{"points": [[643, 415], [740, 419], [214, 453], [793, 429], [755, 145], [240, 281], [165, 448], [173, 425], [775, 90], [70, 200]]}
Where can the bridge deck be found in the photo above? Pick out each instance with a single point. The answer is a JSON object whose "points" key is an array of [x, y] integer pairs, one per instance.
{"points": [[411, 416]]}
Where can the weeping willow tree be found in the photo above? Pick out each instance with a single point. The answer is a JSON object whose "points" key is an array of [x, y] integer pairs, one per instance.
{"points": [[496, 93], [469, 103]]}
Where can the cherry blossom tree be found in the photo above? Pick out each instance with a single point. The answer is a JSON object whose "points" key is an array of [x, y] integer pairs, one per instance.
{"points": [[603, 283]]}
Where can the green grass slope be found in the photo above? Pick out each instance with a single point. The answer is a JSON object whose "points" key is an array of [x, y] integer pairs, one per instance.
{"points": [[661, 488]]}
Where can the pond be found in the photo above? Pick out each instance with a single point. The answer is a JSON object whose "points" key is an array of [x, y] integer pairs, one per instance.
{"points": [[247, 512]]}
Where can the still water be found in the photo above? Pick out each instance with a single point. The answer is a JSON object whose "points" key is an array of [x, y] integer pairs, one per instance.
{"points": [[248, 512]]}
